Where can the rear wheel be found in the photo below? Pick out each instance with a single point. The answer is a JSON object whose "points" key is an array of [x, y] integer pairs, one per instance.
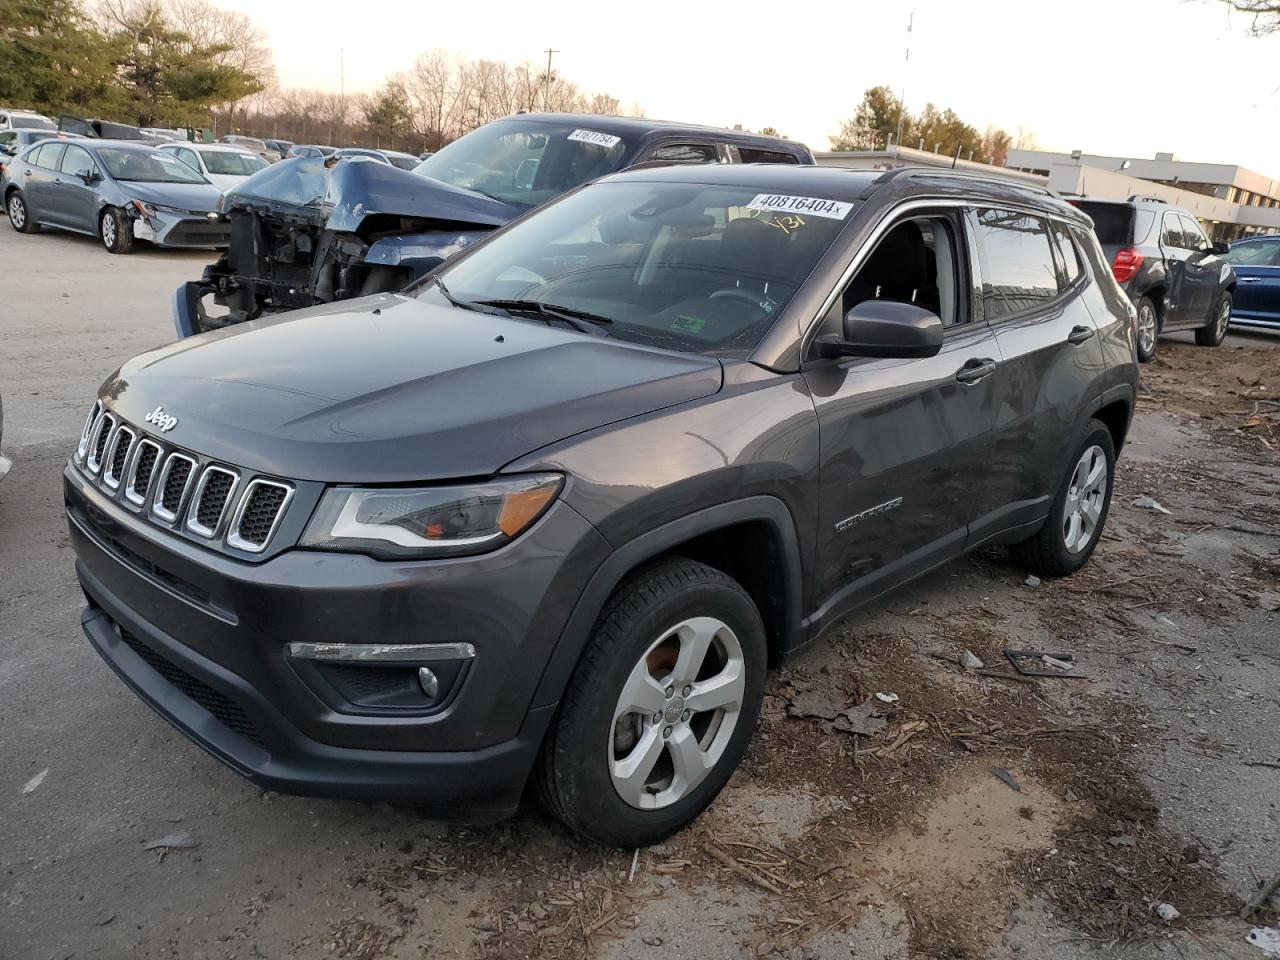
{"points": [[19, 215], [1148, 328], [1066, 541], [116, 230], [1215, 331], [660, 708]]}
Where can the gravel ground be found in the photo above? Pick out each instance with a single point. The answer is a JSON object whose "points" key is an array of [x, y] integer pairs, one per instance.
{"points": [[1155, 779]]}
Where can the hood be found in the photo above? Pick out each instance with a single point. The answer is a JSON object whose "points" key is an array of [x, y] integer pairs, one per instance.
{"points": [[187, 196], [393, 390], [353, 190]]}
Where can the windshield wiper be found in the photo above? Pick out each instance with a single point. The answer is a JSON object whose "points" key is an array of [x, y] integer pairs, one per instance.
{"points": [[460, 304], [581, 320]]}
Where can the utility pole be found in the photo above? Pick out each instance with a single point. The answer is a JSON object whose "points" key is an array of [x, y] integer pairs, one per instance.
{"points": [[342, 91], [902, 98], [547, 79]]}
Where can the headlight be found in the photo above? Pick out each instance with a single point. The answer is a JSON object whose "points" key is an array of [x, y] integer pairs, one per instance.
{"points": [[430, 521], [144, 210]]}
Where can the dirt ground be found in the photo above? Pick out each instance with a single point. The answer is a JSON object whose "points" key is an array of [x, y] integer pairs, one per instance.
{"points": [[987, 814]]}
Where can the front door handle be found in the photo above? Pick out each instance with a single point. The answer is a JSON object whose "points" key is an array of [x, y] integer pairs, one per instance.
{"points": [[1250, 279], [975, 369], [1079, 334]]}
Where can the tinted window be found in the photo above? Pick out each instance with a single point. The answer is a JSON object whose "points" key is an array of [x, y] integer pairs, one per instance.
{"points": [[1171, 235], [47, 155], [8, 142], [1018, 271], [1070, 258], [1194, 235], [1112, 222], [77, 162], [687, 266], [750, 155], [685, 153], [1259, 253]]}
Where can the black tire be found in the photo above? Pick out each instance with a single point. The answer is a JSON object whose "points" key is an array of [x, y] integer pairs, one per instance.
{"points": [[572, 773], [1047, 553], [1215, 331], [1147, 352], [115, 229], [20, 214]]}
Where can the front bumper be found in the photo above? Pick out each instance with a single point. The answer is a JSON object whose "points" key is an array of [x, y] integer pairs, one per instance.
{"points": [[176, 230], [203, 639]]}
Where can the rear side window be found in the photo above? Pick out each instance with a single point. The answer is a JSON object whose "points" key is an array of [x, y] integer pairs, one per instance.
{"points": [[1018, 270], [750, 155], [1069, 263], [47, 155], [1112, 222], [685, 153]]}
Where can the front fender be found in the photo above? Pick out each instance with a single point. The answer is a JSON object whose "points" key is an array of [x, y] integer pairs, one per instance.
{"points": [[420, 251]]}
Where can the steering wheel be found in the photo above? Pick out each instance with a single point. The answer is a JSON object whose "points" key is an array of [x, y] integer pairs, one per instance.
{"points": [[752, 297]]}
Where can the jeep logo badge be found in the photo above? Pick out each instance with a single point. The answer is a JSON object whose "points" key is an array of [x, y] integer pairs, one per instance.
{"points": [[162, 421]]}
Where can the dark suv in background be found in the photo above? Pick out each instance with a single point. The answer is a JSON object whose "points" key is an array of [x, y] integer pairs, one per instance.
{"points": [[556, 509], [1161, 258]]}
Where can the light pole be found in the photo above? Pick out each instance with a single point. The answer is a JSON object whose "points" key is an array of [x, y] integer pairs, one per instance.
{"points": [[546, 80]]}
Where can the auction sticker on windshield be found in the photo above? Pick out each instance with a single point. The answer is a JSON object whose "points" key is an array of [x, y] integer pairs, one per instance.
{"points": [[606, 140], [779, 202]]}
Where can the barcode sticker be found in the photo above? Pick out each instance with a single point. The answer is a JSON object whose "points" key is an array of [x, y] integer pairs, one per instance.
{"points": [[818, 207], [606, 140]]}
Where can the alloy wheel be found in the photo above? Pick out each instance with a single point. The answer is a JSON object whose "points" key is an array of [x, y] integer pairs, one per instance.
{"points": [[676, 713], [1085, 497], [17, 212], [108, 230], [1224, 318], [1146, 327]]}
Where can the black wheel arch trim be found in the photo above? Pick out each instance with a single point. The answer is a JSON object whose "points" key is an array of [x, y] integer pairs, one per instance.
{"points": [[647, 546]]}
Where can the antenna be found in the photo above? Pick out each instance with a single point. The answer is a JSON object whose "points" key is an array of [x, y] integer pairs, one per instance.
{"points": [[902, 98]]}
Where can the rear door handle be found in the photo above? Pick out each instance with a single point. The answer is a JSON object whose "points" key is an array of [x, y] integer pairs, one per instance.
{"points": [[1079, 334], [1249, 279], [975, 369]]}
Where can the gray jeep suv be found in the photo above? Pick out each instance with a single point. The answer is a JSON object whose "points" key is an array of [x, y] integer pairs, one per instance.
{"points": [[556, 509]]}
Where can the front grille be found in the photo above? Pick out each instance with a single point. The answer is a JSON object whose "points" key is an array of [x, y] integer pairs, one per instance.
{"points": [[144, 468], [173, 486], [259, 512], [199, 233], [211, 500], [225, 710], [120, 450], [131, 464]]}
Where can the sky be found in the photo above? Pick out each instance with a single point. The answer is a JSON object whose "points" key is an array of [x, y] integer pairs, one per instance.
{"points": [[1119, 77]]}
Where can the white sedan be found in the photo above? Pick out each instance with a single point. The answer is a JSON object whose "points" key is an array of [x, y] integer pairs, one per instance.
{"points": [[221, 164]]}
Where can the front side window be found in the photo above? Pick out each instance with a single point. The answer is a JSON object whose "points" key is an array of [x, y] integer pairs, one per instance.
{"points": [[1194, 235], [687, 266], [914, 262], [685, 153], [77, 162], [1258, 253], [525, 163], [1018, 272], [146, 166], [1171, 235]]}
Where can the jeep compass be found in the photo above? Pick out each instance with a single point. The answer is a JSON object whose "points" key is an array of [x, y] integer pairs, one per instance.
{"points": [[554, 511]]}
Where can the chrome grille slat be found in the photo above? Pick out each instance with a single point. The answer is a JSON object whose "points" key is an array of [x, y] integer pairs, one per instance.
{"points": [[180, 491], [258, 515], [169, 495], [142, 471], [121, 448], [209, 502]]}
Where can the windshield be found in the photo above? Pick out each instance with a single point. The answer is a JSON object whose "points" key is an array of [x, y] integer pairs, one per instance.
{"points": [[687, 266], [146, 166], [235, 164], [528, 163], [31, 121], [404, 163]]}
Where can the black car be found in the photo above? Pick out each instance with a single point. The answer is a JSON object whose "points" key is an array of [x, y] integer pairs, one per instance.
{"points": [[1161, 258], [315, 232], [555, 510]]}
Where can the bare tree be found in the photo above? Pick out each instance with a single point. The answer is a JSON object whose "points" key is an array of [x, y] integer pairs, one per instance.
{"points": [[1265, 14]]}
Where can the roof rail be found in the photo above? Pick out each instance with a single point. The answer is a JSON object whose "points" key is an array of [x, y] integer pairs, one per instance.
{"points": [[901, 173], [1139, 196]]}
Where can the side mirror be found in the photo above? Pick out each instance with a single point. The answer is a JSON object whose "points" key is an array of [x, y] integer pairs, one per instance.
{"points": [[90, 178], [1219, 247], [885, 328]]}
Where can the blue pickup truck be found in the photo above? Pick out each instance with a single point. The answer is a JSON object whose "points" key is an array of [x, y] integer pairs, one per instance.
{"points": [[314, 230]]}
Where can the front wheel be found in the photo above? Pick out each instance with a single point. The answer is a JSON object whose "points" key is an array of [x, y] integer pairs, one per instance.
{"points": [[1148, 328], [1215, 331], [660, 708], [116, 230], [1079, 511]]}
